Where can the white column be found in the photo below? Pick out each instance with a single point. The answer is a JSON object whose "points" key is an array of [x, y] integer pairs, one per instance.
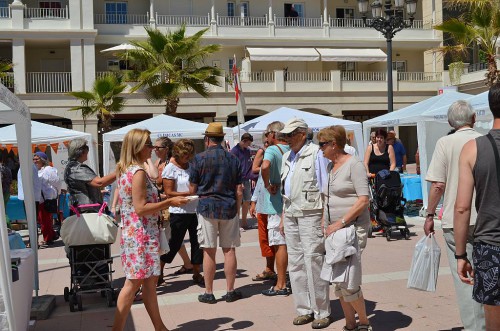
{"points": [[75, 14], [87, 10], [271, 15], [279, 81], [88, 63], [325, 13], [212, 13], [19, 62], [90, 126], [152, 16], [76, 64], [17, 10]]}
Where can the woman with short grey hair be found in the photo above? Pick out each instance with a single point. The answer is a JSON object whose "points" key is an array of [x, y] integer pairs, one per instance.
{"points": [[84, 185]]}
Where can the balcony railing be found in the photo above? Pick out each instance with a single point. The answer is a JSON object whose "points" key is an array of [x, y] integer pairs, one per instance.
{"points": [[297, 76], [121, 19], [48, 82], [176, 20], [50, 13], [477, 67], [241, 21], [420, 76], [305, 22], [7, 79], [363, 76], [358, 23], [4, 12]]}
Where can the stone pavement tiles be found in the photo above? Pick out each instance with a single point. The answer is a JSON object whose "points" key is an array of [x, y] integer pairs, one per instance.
{"points": [[390, 305]]}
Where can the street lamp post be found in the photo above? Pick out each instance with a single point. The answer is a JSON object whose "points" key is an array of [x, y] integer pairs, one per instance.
{"points": [[389, 24]]}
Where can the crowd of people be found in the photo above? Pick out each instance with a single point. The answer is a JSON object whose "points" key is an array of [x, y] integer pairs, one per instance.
{"points": [[311, 202]]}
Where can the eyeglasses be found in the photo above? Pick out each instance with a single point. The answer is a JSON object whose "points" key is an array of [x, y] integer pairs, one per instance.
{"points": [[158, 147], [324, 143]]}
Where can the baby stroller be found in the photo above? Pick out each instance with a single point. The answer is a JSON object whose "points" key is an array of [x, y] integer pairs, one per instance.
{"points": [[88, 239], [387, 203]]}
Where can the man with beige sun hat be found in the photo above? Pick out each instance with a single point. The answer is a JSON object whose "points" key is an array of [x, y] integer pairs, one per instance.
{"points": [[215, 176]]}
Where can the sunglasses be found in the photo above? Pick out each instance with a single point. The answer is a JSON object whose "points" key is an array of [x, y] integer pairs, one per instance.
{"points": [[150, 145], [323, 143], [158, 147], [291, 134], [268, 133]]}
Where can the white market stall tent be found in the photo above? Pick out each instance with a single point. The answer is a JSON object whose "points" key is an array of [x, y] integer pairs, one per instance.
{"points": [[433, 125], [160, 126], [53, 137], [258, 125], [13, 110], [412, 116]]}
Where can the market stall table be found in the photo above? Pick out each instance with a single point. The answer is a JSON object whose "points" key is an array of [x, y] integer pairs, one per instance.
{"points": [[15, 208], [412, 189], [16, 241]]}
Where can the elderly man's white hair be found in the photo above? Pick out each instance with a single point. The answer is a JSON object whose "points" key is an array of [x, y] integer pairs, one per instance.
{"points": [[461, 114]]}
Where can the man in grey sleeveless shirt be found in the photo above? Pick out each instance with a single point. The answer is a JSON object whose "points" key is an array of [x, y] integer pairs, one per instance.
{"points": [[478, 170], [443, 175]]}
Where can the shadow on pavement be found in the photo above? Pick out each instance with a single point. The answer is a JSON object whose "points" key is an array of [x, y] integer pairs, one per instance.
{"points": [[213, 324]]}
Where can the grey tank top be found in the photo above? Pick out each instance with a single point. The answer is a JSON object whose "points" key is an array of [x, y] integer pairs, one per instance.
{"points": [[487, 228]]}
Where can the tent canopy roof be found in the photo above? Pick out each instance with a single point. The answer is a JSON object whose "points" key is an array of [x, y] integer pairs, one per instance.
{"points": [[41, 133], [283, 114], [478, 102], [411, 114], [164, 125]]}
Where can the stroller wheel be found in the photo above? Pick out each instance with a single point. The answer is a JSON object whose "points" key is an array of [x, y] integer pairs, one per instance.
{"points": [[72, 303], [388, 235], [66, 294], [370, 231], [407, 234]]}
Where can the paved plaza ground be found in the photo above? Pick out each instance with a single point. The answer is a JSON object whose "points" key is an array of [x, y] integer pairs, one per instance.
{"points": [[390, 305]]}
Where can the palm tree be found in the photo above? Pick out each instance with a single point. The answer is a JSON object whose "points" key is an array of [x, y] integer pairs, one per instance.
{"points": [[479, 25], [173, 63], [103, 101]]}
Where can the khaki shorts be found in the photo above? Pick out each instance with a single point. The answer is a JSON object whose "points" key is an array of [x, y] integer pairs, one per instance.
{"points": [[227, 230], [274, 235]]}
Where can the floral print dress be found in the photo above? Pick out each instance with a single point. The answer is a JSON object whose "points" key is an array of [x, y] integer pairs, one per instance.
{"points": [[139, 241]]}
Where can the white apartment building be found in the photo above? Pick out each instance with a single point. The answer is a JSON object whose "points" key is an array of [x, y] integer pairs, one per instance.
{"points": [[55, 46]]}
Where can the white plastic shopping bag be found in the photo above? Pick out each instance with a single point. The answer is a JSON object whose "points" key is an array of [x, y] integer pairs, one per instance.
{"points": [[425, 264], [164, 237]]}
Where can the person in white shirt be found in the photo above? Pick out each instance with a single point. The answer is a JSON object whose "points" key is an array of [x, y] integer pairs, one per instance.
{"points": [[50, 184]]}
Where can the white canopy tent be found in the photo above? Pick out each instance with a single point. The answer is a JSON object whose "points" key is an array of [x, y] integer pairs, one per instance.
{"points": [[316, 122], [433, 125], [48, 134], [160, 126], [413, 116], [13, 110]]}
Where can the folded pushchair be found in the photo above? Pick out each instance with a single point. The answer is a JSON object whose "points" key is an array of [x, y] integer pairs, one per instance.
{"points": [[88, 238], [387, 203]]}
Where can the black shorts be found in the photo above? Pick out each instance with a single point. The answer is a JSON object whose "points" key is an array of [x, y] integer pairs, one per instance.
{"points": [[486, 260]]}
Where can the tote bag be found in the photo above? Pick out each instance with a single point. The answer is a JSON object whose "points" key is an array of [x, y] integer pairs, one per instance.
{"points": [[89, 229]]}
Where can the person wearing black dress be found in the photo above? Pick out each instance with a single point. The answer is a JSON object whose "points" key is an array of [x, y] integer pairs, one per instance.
{"points": [[379, 156]]}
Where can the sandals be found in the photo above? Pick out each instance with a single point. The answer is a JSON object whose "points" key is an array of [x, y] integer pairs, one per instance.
{"points": [[364, 327], [265, 275], [183, 270], [345, 328]]}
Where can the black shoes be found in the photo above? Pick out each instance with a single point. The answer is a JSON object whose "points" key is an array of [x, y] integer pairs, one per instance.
{"points": [[207, 298], [232, 296], [272, 292]]}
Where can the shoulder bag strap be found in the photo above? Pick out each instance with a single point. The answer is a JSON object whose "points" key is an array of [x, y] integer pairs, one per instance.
{"points": [[497, 158], [280, 149]]}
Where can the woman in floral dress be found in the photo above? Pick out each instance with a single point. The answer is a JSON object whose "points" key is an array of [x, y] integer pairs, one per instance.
{"points": [[140, 210]]}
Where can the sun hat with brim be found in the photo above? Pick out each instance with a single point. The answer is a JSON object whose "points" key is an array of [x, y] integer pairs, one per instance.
{"points": [[214, 129], [294, 124]]}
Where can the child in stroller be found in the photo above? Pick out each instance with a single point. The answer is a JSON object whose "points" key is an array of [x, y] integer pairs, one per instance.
{"points": [[387, 203]]}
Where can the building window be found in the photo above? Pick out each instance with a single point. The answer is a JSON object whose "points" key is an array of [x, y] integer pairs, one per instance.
{"points": [[347, 66], [230, 9], [294, 10], [113, 65], [345, 13], [49, 4], [399, 66], [116, 12], [244, 9], [231, 63]]}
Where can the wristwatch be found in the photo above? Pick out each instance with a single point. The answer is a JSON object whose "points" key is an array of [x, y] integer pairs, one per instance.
{"points": [[431, 215], [344, 224], [461, 257]]}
